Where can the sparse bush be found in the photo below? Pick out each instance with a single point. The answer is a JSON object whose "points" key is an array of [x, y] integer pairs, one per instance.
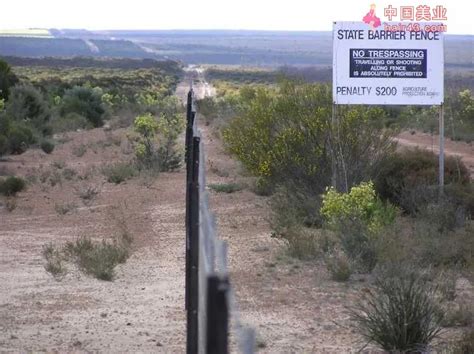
{"points": [[119, 172], [98, 259], [64, 208], [69, 174], [400, 313], [226, 187], [163, 132], [306, 243], [10, 204], [54, 260], [10, 186], [459, 315], [47, 146], [87, 194], [339, 266], [79, 150]]}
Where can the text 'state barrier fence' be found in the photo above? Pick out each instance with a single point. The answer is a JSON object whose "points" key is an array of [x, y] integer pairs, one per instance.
{"points": [[212, 314]]}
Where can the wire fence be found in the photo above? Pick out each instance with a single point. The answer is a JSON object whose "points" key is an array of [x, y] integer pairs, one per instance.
{"points": [[211, 308]]}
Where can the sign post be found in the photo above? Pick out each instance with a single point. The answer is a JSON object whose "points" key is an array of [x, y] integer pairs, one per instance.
{"points": [[390, 65]]}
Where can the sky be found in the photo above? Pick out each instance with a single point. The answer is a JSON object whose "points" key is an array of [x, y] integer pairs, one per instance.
{"points": [[306, 15]]}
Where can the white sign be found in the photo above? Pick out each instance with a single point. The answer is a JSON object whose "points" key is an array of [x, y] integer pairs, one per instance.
{"points": [[379, 66]]}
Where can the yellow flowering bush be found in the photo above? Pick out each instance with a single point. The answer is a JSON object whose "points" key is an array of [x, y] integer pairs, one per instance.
{"points": [[360, 203]]}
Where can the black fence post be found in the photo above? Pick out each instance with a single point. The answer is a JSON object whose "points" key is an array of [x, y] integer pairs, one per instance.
{"points": [[193, 304], [187, 157], [217, 315]]}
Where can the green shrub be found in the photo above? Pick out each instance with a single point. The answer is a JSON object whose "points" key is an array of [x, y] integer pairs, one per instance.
{"points": [[305, 243], [361, 203], [400, 313], [403, 177], [47, 146], [84, 101], [12, 185], [119, 172], [19, 139], [286, 135], [7, 79], [26, 104], [226, 187], [98, 259]]}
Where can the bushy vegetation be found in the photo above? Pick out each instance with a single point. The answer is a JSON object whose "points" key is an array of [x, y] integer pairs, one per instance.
{"points": [[400, 313], [156, 145], [225, 187], [39, 98], [10, 186], [85, 102], [98, 259]]}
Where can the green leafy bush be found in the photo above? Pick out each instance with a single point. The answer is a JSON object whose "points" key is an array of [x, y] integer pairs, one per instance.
{"points": [[27, 104], [360, 203], [403, 177], [286, 135], [156, 147], [20, 137], [400, 313], [47, 146], [12, 185], [86, 102], [7, 79]]}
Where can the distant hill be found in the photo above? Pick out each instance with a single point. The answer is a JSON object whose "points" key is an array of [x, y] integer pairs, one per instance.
{"points": [[250, 48]]}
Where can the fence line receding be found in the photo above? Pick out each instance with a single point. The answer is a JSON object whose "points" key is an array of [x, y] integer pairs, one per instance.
{"points": [[211, 308]]}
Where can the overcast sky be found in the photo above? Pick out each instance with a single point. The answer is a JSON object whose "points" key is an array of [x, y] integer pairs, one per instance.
{"points": [[311, 15]]}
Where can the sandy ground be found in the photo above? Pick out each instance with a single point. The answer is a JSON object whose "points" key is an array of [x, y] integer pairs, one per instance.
{"points": [[142, 310], [294, 305]]}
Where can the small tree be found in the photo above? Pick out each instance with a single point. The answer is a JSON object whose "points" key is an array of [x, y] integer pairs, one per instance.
{"points": [[147, 126], [28, 105], [7, 79], [86, 102]]}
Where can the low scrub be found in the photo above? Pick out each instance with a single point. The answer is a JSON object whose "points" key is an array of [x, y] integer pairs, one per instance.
{"points": [[400, 313], [10, 186], [404, 178], [47, 146], [98, 259], [119, 172], [226, 187]]}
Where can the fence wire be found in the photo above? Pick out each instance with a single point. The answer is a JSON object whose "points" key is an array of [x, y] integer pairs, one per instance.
{"points": [[216, 300]]}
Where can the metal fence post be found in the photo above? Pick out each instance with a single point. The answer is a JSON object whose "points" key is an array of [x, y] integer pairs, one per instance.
{"points": [[192, 312], [188, 152], [217, 315]]}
